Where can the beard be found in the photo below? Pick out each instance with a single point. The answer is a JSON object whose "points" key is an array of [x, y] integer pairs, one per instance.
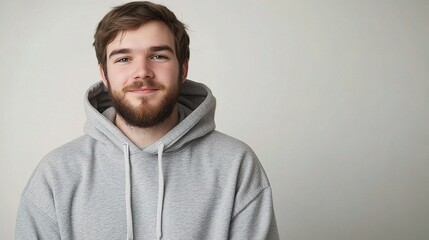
{"points": [[145, 115]]}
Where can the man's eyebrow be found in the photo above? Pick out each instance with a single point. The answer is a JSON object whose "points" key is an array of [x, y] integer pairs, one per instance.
{"points": [[161, 48], [119, 51]]}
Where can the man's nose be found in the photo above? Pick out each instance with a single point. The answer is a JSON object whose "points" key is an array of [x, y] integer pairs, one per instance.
{"points": [[143, 69]]}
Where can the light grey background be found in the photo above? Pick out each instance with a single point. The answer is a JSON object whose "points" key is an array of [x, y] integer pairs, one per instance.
{"points": [[333, 96]]}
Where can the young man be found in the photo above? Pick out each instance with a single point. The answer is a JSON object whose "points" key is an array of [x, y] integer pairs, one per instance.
{"points": [[151, 164]]}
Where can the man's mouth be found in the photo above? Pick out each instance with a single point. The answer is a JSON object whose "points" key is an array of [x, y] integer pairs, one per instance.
{"points": [[143, 89]]}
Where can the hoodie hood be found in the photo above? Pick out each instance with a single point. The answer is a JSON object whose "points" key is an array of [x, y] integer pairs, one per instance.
{"points": [[196, 106]]}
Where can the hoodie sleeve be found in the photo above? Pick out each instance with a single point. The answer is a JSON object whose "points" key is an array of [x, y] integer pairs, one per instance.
{"points": [[36, 218], [257, 220], [253, 215], [33, 223]]}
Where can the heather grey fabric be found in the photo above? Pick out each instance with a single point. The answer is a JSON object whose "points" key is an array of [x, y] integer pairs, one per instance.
{"points": [[214, 185]]}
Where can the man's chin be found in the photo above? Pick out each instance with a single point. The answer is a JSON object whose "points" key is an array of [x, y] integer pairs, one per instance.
{"points": [[138, 100], [144, 106]]}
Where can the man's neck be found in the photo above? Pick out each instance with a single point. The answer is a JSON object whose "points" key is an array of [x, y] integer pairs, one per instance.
{"points": [[143, 137]]}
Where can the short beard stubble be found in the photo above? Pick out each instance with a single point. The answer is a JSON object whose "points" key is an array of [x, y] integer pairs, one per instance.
{"points": [[145, 115]]}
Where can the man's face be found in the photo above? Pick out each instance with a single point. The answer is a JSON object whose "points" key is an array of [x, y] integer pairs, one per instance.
{"points": [[143, 74]]}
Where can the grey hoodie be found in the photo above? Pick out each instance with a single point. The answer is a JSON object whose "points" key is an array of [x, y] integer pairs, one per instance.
{"points": [[194, 183]]}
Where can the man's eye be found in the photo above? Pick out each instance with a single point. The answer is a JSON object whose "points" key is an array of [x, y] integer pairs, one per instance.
{"points": [[123, 60], [159, 58]]}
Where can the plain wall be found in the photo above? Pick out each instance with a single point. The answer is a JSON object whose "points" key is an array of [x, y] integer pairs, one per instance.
{"points": [[333, 96]]}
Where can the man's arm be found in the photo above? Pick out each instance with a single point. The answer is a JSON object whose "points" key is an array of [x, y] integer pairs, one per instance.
{"points": [[36, 218], [256, 220], [253, 215], [33, 223]]}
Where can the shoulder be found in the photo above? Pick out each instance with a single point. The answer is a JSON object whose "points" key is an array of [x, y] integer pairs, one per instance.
{"points": [[225, 143], [58, 170], [76, 149], [250, 177], [71, 155], [226, 150], [64, 162], [235, 153]]}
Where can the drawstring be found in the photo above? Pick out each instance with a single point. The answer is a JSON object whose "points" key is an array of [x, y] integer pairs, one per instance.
{"points": [[126, 149], [160, 192], [128, 191]]}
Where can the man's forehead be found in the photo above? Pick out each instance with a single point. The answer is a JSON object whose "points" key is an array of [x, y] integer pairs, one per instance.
{"points": [[148, 35]]}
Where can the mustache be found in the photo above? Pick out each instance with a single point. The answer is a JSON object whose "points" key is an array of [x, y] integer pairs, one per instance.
{"points": [[140, 84]]}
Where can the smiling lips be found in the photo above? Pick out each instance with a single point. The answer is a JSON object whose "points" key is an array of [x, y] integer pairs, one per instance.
{"points": [[145, 90]]}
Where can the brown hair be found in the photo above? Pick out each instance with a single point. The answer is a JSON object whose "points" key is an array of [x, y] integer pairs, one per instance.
{"points": [[131, 16]]}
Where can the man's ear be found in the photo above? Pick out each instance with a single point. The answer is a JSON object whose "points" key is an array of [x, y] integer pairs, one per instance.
{"points": [[103, 75], [185, 70]]}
